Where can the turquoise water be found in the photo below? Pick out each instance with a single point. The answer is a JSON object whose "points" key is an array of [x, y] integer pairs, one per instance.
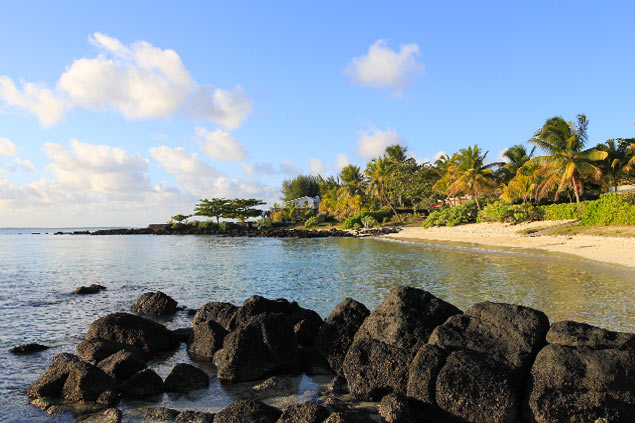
{"points": [[39, 272]]}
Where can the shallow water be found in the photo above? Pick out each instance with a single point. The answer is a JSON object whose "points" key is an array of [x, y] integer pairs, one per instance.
{"points": [[38, 273]]}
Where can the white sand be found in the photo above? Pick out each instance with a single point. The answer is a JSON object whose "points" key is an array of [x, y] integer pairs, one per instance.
{"points": [[614, 250]]}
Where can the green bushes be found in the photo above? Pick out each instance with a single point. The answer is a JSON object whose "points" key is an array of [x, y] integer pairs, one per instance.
{"points": [[311, 222], [369, 222], [565, 211], [208, 226], [500, 211], [452, 216], [226, 226], [356, 219], [610, 209], [265, 224]]}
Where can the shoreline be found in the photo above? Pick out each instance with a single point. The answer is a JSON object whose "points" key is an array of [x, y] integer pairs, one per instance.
{"points": [[619, 252]]}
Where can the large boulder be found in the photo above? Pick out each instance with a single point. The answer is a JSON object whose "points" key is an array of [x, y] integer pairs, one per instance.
{"points": [[406, 318], [306, 412], [145, 383], [121, 365], [206, 338], [374, 369], [569, 384], [423, 372], [263, 345], [337, 333], [478, 387], [511, 332], [395, 408], [248, 411], [96, 350], [71, 379], [154, 303], [221, 313], [130, 329], [576, 334], [185, 377]]}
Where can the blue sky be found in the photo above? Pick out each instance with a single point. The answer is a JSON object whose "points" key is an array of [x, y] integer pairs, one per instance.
{"points": [[125, 113]]}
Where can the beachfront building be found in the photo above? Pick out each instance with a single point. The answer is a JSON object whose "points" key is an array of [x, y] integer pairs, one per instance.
{"points": [[623, 188], [306, 202]]}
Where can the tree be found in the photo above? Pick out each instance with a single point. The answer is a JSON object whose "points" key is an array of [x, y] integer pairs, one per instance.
{"points": [[181, 217], [235, 208], [377, 173], [412, 183], [616, 164], [352, 178], [396, 154], [566, 162], [300, 186], [516, 156], [470, 175], [214, 207]]}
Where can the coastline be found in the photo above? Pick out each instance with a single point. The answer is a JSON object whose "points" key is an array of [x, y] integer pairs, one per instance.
{"points": [[604, 249]]}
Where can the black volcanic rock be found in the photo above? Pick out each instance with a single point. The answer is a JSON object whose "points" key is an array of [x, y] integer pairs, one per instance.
{"points": [[154, 303], [145, 383], [121, 365], [207, 338], [185, 377], [306, 412], [219, 312], [91, 289], [28, 349], [248, 411], [576, 334]]}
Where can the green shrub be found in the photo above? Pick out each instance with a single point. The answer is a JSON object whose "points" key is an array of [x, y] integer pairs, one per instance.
{"points": [[264, 224], [369, 222], [208, 226], [311, 222], [453, 216], [380, 215], [356, 226], [226, 226], [500, 211], [610, 209], [178, 226], [565, 211]]}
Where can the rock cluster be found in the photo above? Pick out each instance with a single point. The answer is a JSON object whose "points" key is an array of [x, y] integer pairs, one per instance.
{"points": [[420, 357]]}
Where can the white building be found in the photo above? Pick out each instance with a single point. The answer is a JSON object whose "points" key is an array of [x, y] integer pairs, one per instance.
{"points": [[623, 188], [306, 202]]}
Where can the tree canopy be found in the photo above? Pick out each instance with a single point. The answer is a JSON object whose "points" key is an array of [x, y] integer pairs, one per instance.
{"points": [[235, 208], [300, 186]]}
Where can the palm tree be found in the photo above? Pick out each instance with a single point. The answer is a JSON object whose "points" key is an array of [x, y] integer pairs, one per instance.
{"points": [[470, 175], [396, 154], [377, 173], [352, 179], [516, 156], [615, 165], [566, 162]]}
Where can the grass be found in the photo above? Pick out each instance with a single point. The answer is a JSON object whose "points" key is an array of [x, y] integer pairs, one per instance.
{"points": [[612, 231]]}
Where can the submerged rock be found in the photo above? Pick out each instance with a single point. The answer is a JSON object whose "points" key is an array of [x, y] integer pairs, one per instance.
{"points": [[110, 415], [185, 377], [91, 289], [128, 329], [337, 333], [28, 349], [154, 303], [248, 411]]}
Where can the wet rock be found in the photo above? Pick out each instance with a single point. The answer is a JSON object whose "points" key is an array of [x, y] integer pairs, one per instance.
{"points": [[248, 411], [307, 412], [28, 349], [374, 369], [193, 416], [91, 289], [160, 414], [337, 333], [94, 351], [108, 398], [110, 415], [274, 386], [396, 408], [154, 303], [121, 365], [567, 383], [576, 334], [406, 318], [71, 379], [313, 363], [423, 372], [145, 383], [207, 338], [183, 334], [185, 377], [512, 332], [349, 416], [264, 345], [478, 387], [338, 386], [130, 329], [221, 313]]}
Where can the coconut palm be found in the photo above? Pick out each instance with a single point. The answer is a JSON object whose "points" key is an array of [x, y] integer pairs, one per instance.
{"points": [[352, 178], [566, 162], [516, 157], [616, 163], [470, 175], [377, 172], [396, 154]]}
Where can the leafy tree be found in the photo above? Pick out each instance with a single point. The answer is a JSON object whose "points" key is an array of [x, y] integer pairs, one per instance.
{"points": [[214, 207], [235, 208], [181, 217], [300, 186], [566, 162], [396, 154], [470, 175], [516, 156], [352, 178], [413, 183], [615, 166], [377, 173]]}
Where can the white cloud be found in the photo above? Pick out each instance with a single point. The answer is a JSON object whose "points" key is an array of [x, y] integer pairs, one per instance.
{"points": [[373, 143], [25, 164], [7, 148], [438, 155], [227, 108], [33, 98], [317, 167], [220, 145], [501, 156], [386, 68], [341, 162], [178, 161]]}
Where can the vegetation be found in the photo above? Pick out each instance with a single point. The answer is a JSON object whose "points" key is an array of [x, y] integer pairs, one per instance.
{"points": [[500, 211], [235, 208], [300, 186], [311, 222], [453, 216]]}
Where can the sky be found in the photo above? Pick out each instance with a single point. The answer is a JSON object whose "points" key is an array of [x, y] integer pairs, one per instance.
{"points": [[127, 113]]}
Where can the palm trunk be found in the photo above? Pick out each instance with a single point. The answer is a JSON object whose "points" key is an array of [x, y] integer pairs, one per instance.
{"points": [[478, 205], [575, 191], [391, 206]]}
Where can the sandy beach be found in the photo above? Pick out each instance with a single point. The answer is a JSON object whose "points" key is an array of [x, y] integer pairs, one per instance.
{"points": [[613, 250]]}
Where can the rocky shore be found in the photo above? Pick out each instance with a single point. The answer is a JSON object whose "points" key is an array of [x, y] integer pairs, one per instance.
{"points": [[416, 358]]}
